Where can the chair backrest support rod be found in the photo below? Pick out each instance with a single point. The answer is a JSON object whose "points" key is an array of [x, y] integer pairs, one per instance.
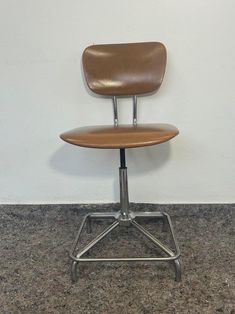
{"points": [[115, 110], [134, 110]]}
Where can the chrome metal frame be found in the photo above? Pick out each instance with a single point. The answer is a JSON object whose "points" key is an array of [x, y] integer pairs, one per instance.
{"points": [[126, 218], [115, 110], [134, 110]]}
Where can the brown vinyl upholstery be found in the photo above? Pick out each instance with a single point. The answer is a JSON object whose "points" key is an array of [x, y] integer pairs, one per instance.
{"points": [[124, 136], [123, 70]]}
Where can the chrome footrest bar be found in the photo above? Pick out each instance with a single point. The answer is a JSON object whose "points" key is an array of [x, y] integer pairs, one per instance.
{"points": [[126, 259], [130, 220]]}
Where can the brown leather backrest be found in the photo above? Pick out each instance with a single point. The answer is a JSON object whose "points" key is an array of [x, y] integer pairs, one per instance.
{"points": [[124, 69]]}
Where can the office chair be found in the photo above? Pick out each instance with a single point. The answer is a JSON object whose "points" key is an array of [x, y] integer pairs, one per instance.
{"points": [[124, 70]]}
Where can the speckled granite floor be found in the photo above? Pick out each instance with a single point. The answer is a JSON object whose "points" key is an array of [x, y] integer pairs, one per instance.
{"points": [[34, 265]]}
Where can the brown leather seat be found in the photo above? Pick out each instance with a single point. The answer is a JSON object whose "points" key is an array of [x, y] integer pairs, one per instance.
{"points": [[123, 136]]}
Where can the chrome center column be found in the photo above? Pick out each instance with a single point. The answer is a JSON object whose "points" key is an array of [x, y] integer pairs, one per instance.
{"points": [[124, 198]]}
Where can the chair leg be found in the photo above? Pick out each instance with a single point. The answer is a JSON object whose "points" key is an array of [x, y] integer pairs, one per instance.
{"points": [[117, 219], [74, 276], [125, 217], [177, 265]]}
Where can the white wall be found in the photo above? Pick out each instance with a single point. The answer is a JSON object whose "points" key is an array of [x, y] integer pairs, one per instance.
{"points": [[42, 94]]}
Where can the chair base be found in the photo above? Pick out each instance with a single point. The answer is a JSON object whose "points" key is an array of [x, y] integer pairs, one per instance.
{"points": [[130, 220]]}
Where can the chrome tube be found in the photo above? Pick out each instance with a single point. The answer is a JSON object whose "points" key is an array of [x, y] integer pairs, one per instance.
{"points": [[124, 199], [134, 110], [115, 111], [153, 239], [96, 240]]}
